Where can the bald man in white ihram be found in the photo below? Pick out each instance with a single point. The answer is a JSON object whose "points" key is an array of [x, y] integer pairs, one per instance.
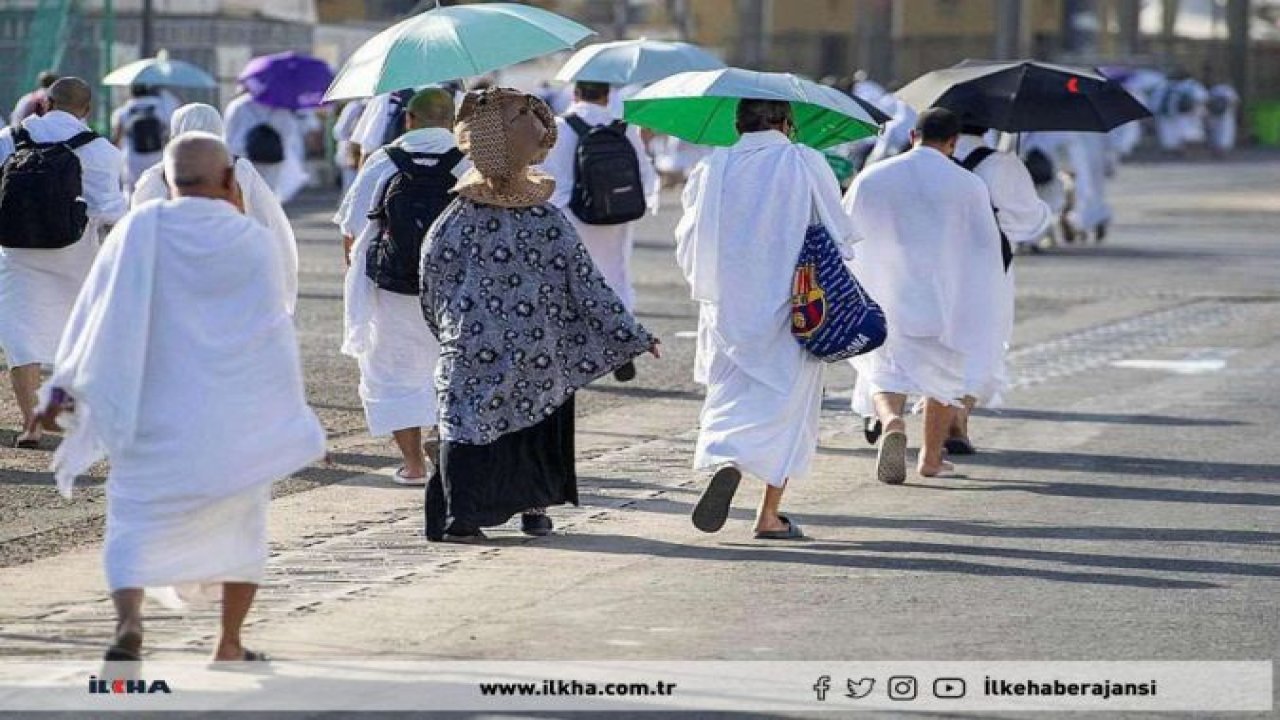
{"points": [[180, 332]]}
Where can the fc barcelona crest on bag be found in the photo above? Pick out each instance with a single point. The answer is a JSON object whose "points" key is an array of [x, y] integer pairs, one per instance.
{"points": [[808, 302], [831, 315]]}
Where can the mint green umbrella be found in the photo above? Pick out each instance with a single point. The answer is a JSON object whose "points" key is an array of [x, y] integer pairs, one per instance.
{"points": [[701, 107], [448, 43]]}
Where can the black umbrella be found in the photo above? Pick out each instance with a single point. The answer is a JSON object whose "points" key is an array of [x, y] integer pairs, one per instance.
{"points": [[875, 112], [1024, 95]]}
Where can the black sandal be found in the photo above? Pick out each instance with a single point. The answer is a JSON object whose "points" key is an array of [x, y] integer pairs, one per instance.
{"points": [[871, 430], [959, 446], [126, 648], [712, 510]]}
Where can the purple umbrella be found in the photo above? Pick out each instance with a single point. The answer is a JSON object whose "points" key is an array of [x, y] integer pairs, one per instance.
{"points": [[287, 80]]}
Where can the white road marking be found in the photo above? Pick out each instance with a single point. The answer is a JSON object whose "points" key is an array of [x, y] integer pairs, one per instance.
{"points": [[1180, 367]]}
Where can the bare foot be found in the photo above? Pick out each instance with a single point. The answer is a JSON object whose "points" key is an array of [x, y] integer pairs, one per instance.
{"points": [[229, 653], [928, 470], [29, 438], [772, 524]]}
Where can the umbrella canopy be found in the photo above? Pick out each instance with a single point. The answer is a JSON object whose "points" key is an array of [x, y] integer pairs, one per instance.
{"points": [[1022, 96], [448, 43], [160, 71], [701, 107], [635, 62], [287, 80]]}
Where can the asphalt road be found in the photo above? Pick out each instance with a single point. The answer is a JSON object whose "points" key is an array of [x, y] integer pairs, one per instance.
{"points": [[1136, 270]]}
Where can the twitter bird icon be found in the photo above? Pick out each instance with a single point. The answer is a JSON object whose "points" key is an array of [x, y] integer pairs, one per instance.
{"points": [[859, 689]]}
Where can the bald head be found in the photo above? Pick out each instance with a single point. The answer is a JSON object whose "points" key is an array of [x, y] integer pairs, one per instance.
{"points": [[71, 95], [197, 164], [432, 107]]}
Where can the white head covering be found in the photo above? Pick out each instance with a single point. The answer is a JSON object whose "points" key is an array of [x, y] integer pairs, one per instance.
{"points": [[196, 116]]}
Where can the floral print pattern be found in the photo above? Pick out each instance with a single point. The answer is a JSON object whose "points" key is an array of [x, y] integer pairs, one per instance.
{"points": [[523, 316]]}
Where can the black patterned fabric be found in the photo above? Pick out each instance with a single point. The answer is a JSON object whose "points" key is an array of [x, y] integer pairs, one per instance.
{"points": [[523, 316]]}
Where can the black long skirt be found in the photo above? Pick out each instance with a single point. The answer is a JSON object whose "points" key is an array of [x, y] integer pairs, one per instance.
{"points": [[478, 486]]}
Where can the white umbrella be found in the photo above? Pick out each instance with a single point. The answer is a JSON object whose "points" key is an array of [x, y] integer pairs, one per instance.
{"points": [[635, 62], [160, 71]]}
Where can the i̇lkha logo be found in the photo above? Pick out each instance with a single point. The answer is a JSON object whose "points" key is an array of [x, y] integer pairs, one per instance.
{"points": [[126, 686]]}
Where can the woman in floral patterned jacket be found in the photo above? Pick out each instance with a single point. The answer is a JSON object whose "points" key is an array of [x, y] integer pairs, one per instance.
{"points": [[524, 319]]}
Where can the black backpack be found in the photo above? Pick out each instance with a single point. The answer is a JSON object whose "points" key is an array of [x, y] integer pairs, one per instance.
{"points": [[1186, 102], [1039, 166], [264, 145], [40, 193], [146, 132], [395, 119], [971, 163], [414, 197], [607, 189]]}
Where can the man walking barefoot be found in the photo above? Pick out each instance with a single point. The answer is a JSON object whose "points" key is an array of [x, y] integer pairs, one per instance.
{"points": [[930, 254], [182, 327]]}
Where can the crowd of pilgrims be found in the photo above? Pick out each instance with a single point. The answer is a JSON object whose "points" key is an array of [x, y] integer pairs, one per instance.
{"points": [[1070, 170], [487, 282]]}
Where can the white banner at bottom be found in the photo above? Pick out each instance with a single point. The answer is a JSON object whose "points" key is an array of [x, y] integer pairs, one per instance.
{"points": [[755, 686]]}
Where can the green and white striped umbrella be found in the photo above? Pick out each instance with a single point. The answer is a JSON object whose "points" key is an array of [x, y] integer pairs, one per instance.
{"points": [[701, 107]]}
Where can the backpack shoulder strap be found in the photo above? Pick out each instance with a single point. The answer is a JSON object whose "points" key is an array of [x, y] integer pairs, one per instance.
{"points": [[579, 125], [22, 138], [402, 159], [450, 160], [619, 125], [78, 141], [975, 158]]}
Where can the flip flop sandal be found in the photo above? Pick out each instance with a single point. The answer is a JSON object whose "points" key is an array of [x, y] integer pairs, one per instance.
{"points": [[959, 446], [626, 373], [712, 510], [793, 531], [116, 653], [475, 536], [248, 656], [119, 651], [872, 429], [431, 448], [400, 478], [891, 461]]}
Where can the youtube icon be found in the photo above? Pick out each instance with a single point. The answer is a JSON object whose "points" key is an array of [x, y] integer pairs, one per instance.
{"points": [[948, 688]]}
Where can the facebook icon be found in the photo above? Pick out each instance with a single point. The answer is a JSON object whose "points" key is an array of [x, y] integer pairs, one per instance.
{"points": [[822, 687]]}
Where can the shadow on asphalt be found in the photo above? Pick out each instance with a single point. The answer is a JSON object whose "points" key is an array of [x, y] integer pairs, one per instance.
{"points": [[1127, 465], [1116, 418], [27, 477], [647, 393], [1107, 251], [48, 443], [985, 529], [1119, 562], [1110, 465], [1095, 491], [849, 556]]}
